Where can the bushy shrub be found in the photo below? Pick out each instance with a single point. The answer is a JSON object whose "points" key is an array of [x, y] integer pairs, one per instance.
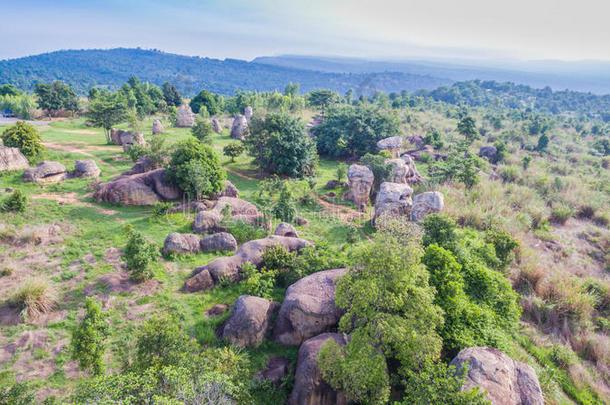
{"points": [[88, 339], [560, 215], [341, 172], [35, 296], [258, 282], [138, 254], [381, 170], [233, 150], [504, 246], [284, 208], [283, 262], [439, 229], [212, 102], [243, 232], [160, 209], [26, 138], [15, 393], [16, 202], [202, 130]]}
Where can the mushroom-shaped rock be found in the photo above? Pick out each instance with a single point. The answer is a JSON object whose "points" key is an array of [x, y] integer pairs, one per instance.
{"points": [[400, 170], [157, 127], [12, 159], [45, 172], [207, 222], [250, 318], [488, 151], [138, 189], [181, 243], [186, 118], [506, 381], [413, 176], [360, 182], [221, 241], [427, 203], [248, 112], [393, 199], [392, 144], [238, 207], [308, 308], [285, 229], [86, 169], [216, 125], [228, 267], [309, 387], [239, 130]]}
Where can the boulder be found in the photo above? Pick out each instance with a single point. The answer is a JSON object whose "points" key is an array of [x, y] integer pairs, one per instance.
{"points": [[309, 388], [217, 310], [145, 164], [488, 152], [400, 170], [117, 134], [426, 203], [413, 176], [157, 127], [207, 222], [12, 159], [239, 130], [229, 191], [276, 368], [229, 266], [308, 308], [129, 139], [216, 125], [238, 207], [86, 169], [301, 221], [248, 112], [360, 182], [506, 381], [332, 184], [221, 241], [285, 229], [186, 118], [181, 243], [416, 140], [138, 189], [249, 321], [45, 172], [392, 144], [191, 206], [393, 199]]}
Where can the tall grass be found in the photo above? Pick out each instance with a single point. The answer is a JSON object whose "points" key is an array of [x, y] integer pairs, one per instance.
{"points": [[35, 296]]}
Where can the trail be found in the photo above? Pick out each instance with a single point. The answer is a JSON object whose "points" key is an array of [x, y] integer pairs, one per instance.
{"points": [[72, 199], [73, 149]]}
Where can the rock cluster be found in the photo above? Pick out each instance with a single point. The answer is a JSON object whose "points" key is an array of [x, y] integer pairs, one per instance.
{"points": [[188, 243], [393, 199], [12, 159], [207, 222], [86, 169], [186, 118], [45, 172], [239, 130], [157, 127], [137, 189], [413, 176], [360, 182]]}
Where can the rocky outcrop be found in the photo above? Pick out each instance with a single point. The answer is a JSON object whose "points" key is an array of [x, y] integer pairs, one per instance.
{"points": [[488, 152], [506, 381], [249, 321], [130, 139], [238, 207], [427, 203], [207, 222], [248, 112], [12, 159], [191, 206], [308, 308], [86, 169], [157, 127], [393, 199], [229, 267], [360, 182], [116, 136], [221, 241], [400, 170], [186, 118], [413, 176], [309, 387], [239, 130], [392, 144], [276, 368], [145, 164], [229, 191], [138, 189], [181, 243], [216, 125], [285, 229], [45, 172]]}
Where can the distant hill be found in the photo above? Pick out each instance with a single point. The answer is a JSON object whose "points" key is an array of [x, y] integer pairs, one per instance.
{"points": [[588, 76], [83, 69]]}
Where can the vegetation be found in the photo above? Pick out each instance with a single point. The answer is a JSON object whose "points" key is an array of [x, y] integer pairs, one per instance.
{"points": [[34, 297], [24, 137], [139, 254], [88, 339], [16, 202], [56, 97], [106, 111], [233, 150]]}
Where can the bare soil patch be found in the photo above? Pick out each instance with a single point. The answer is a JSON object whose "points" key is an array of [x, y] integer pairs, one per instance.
{"points": [[72, 199]]}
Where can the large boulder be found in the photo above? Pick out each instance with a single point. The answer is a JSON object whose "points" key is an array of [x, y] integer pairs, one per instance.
{"points": [[309, 387], [239, 130], [221, 241], [138, 189], [45, 172], [393, 199], [129, 139], [506, 381], [427, 203], [157, 127], [207, 222], [145, 164], [360, 182], [488, 152], [400, 170], [186, 118], [285, 229], [181, 243], [12, 159], [86, 169], [116, 136], [248, 112], [216, 125], [249, 321], [413, 176], [308, 308], [229, 191], [392, 144], [229, 267], [276, 368], [238, 207]]}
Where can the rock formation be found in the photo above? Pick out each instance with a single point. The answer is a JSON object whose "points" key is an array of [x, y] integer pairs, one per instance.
{"points": [[250, 318], [86, 169], [238, 207], [229, 191], [488, 152], [400, 170], [308, 308], [221, 241], [413, 176], [426, 203], [186, 118], [117, 134], [129, 139], [138, 189], [506, 381], [276, 368], [392, 144], [216, 125], [393, 199], [12, 159], [157, 127], [45, 172], [248, 112], [207, 222], [181, 243], [239, 130], [285, 229], [360, 182]]}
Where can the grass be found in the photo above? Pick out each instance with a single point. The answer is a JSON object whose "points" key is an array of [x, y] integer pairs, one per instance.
{"points": [[35, 296]]}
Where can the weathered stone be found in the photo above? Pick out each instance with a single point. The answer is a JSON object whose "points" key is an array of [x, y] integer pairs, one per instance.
{"points": [[12, 159], [181, 243], [285, 229], [426, 203], [216, 125], [400, 170], [157, 127], [249, 321], [238, 207], [301, 221], [129, 139], [145, 164], [45, 172], [276, 368], [393, 199], [416, 140], [229, 191], [117, 134], [309, 387], [162, 186], [186, 118], [192, 206], [413, 176], [248, 112], [138, 189], [392, 144], [207, 222], [488, 151], [217, 310], [308, 308], [221, 241], [360, 182], [86, 169], [506, 381], [239, 130], [203, 281]]}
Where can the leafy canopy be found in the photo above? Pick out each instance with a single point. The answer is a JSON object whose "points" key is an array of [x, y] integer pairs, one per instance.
{"points": [[26, 138]]}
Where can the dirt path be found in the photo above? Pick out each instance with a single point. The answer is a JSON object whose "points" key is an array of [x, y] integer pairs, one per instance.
{"points": [[72, 199], [74, 149]]}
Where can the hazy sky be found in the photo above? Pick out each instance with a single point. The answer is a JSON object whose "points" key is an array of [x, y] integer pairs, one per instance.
{"points": [[397, 29]]}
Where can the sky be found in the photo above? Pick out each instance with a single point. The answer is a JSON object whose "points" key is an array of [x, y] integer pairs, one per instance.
{"points": [[377, 29]]}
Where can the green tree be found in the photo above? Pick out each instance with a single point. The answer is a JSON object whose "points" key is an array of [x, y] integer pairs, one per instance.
{"points": [[381, 170], [280, 145], [543, 142], [341, 172], [56, 97], [202, 130], [233, 150], [292, 89], [9, 90], [88, 339], [467, 128], [284, 209], [171, 95], [107, 111], [211, 101], [469, 174], [139, 254], [322, 98], [26, 138]]}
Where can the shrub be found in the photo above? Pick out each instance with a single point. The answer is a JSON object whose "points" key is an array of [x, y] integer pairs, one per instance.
{"points": [[15, 393], [16, 202], [26, 138], [6, 271], [243, 232], [136, 152], [202, 130], [525, 162], [509, 174], [88, 346], [233, 150], [381, 170], [434, 138], [283, 262], [212, 102], [259, 283], [439, 229], [160, 209], [139, 253], [560, 215], [341, 172], [35, 296], [284, 209], [504, 246], [586, 211]]}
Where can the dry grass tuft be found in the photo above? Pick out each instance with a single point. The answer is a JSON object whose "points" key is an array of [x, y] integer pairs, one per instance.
{"points": [[35, 296]]}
